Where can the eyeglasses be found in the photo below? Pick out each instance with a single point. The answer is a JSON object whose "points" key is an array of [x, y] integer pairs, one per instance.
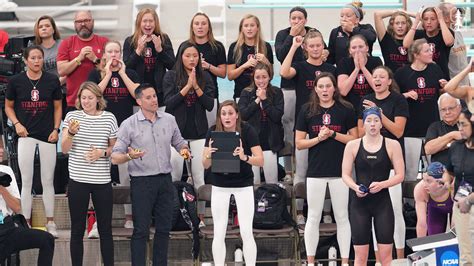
{"points": [[446, 109], [85, 21]]}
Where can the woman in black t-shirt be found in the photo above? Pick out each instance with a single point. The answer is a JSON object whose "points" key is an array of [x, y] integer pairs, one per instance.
{"points": [[354, 73], [461, 166], [350, 18], [34, 105], [391, 38], [262, 105], [244, 54], [330, 122], [117, 84], [212, 55], [238, 184], [436, 32], [149, 51], [394, 117], [188, 92]]}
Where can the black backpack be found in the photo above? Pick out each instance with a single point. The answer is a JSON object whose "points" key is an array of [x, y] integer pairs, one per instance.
{"points": [[185, 213], [271, 207]]}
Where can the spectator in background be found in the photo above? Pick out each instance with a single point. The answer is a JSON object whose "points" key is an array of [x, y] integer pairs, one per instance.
{"points": [[441, 134], [149, 51], [457, 60], [213, 58], [78, 54], [47, 36], [350, 18], [464, 92]]}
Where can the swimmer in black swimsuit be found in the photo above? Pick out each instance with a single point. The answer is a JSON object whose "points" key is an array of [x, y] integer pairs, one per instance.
{"points": [[373, 156]]}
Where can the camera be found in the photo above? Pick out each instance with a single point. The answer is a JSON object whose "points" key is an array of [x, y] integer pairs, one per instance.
{"points": [[5, 179]]}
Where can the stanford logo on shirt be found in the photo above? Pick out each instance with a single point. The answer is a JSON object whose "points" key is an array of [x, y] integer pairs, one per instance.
{"points": [[360, 78], [339, 34], [421, 82], [115, 82], [251, 56], [402, 50], [317, 73], [326, 119], [148, 52], [432, 47], [35, 95]]}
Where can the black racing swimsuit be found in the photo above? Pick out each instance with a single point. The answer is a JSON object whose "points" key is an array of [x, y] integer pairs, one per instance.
{"points": [[372, 167]]}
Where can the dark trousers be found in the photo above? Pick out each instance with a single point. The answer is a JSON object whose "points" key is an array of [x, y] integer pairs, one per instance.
{"points": [[151, 195], [78, 196], [22, 239]]}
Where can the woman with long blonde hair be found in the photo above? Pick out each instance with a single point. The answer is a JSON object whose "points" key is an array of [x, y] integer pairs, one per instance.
{"points": [[149, 51], [246, 52]]}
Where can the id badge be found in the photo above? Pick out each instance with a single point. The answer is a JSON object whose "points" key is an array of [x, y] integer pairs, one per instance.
{"points": [[1, 217], [463, 191], [261, 206]]}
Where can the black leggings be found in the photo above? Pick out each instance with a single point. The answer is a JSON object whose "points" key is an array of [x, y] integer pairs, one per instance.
{"points": [[78, 195], [362, 210]]}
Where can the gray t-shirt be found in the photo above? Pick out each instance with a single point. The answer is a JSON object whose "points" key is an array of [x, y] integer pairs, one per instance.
{"points": [[458, 57], [50, 58]]}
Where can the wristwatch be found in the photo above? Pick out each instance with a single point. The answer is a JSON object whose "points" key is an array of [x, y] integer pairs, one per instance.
{"points": [[333, 134]]}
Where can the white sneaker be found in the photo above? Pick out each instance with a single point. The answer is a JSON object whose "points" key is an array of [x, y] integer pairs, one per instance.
{"points": [[202, 224], [128, 224], [52, 229], [327, 219], [94, 233], [300, 219]]}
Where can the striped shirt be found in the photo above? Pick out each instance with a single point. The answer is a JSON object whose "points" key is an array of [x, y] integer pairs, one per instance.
{"points": [[93, 131]]}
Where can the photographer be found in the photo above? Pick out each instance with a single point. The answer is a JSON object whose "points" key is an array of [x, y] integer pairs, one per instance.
{"points": [[13, 236]]}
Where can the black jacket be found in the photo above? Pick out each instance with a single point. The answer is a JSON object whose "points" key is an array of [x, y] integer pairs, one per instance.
{"points": [[175, 102], [164, 60], [250, 112]]}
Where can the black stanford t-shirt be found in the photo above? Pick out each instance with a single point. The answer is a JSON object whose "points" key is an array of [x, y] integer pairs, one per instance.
{"points": [[325, 158], [439, 48], [34, 107], [394, 54], [423, 111], [119, 100], [361, 87]]}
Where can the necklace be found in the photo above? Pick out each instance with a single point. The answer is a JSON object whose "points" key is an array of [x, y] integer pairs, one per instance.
{"points": [[34, 85]]}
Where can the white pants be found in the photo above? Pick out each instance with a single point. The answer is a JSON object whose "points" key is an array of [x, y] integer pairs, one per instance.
{"points": [[124, 178], [26, 157], [197, 169], [316, 191], [288, 118], [400, 229], [270, 168], [412, 157], [301, 161], [212, 115], [244, 198]]}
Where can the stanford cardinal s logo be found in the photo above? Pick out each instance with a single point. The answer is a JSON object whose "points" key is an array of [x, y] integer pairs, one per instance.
{"points": [[402, 50], [326, 119], [317, 73], [115, 82], [361, 79], [35, 95], [251, 56], [421, 82], [148, 52], [432, 47]]}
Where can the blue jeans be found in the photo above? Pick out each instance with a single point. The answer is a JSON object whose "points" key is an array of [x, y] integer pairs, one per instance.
{"points": [[151, 195]]}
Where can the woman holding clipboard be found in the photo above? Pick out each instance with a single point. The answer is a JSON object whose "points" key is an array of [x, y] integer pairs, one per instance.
{"points": [[239, 184]]}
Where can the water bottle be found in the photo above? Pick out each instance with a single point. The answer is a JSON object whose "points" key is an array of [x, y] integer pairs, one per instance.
{"points": [[238, 256], [332, 256]]}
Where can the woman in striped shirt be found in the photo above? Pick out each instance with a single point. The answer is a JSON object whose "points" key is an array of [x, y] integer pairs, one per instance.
{"points": [[89, 134]]}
